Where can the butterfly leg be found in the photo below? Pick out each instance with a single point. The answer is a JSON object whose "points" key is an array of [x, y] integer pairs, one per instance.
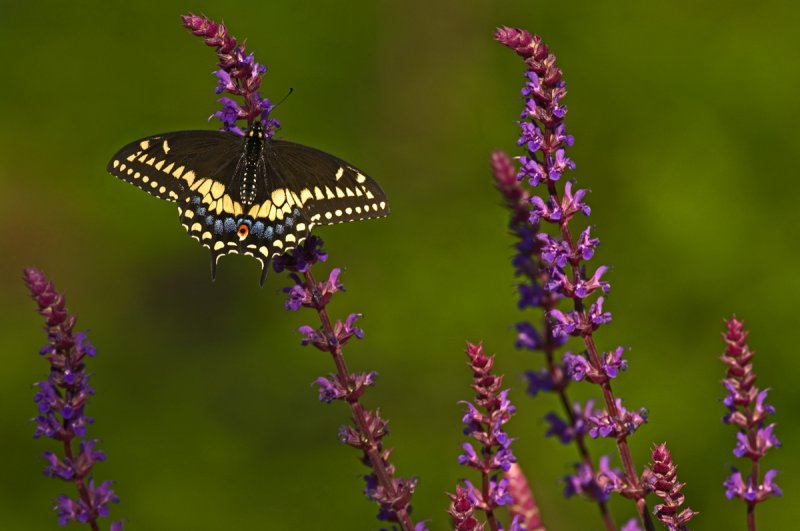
{"points": [[214, 260], [264, 271]]}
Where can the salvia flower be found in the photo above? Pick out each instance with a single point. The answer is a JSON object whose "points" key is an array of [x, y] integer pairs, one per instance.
{"points": [[366, 433], [484, 420], [576, 425], [665, 485], [61, 401], [563, 252], [749, 412], [537, 253], [595, 484], [238, 74]]}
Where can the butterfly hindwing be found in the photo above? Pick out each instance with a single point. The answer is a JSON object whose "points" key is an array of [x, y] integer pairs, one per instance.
{"points": [[168, 165], [330, 190], [262, 231]]}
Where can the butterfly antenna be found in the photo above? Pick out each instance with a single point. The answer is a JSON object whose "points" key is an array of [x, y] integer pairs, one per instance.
{"points": [[291, 89]]}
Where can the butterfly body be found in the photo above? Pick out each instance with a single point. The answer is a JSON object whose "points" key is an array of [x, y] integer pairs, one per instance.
{"points": [[249, 195]]}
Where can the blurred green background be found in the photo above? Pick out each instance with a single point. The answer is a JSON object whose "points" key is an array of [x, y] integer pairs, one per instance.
{"points": [[684, 115]]}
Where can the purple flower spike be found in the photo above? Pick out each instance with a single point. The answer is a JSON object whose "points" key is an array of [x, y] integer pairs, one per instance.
{"points": [[238, 74], [61, 400], [748, 411], [557, 262], [366, 433], [484, 422]]}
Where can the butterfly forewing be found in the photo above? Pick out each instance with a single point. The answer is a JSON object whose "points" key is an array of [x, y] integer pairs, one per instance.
{"points": [[168, 165], [331, 190]]}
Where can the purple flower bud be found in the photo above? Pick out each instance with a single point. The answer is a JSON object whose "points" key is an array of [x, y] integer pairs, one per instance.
{"points": [[665, 484], [462, 508]]}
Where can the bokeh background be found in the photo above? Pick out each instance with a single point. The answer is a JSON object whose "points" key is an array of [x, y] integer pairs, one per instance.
{"points": [[685, 119]]}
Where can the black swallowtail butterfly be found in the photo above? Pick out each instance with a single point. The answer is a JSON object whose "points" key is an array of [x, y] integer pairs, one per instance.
{"points": [[250, 195]]}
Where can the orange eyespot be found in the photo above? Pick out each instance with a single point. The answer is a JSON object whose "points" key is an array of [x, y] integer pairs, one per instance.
{"points": [[243, 231]]}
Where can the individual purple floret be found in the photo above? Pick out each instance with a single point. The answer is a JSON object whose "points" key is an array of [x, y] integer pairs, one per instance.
{"points": [[596, 485], [561, 253], [239, 74], [484, 420], [665, 485], [748, 411], [61, 401], [393, 495]]}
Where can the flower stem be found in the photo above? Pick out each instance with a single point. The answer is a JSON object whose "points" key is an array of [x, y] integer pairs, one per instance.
{"points": [[80, 485], [371, 450], [751, 506]]}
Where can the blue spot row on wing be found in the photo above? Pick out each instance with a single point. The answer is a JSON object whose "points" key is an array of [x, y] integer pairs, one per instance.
{"points": [[257, 228]]}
